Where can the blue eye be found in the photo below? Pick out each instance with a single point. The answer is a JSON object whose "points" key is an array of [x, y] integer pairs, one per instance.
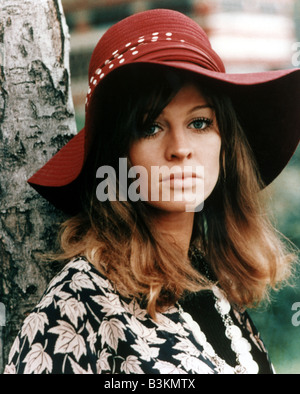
{"points": [[201, 123], [152, 130]]}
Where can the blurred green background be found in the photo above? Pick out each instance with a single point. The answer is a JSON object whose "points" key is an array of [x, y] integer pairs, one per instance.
{"points": [[281, 337], [249, 36]]}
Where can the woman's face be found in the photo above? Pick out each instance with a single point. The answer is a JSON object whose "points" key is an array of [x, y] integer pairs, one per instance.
{"points": [[180, 153]]}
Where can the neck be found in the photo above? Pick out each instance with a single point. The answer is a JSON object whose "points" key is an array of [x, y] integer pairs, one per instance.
{"points": [[177, 227]]}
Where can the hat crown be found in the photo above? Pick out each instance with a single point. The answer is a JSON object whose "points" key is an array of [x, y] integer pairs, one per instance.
{"points": [[162, 35]]}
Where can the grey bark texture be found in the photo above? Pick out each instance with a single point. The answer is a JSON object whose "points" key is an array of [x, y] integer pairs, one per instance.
{"points": [[36, 120]]}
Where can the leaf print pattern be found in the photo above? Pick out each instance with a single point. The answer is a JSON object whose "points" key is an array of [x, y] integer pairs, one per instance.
{"points": [[185, 345], [73, 309], [37, 361], [83, 326], [81, 281], [102, 363], [68, 340], [32, 324], [167, 368], [131, 365], [78, 370], [111, 331], [110, 304], [191, 363]]}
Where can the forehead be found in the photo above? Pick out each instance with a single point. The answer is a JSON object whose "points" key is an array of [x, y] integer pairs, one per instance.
{"points": [[190, 97]]}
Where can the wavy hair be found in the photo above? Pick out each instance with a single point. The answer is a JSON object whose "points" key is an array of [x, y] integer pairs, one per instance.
{"points": [[232, 232]]}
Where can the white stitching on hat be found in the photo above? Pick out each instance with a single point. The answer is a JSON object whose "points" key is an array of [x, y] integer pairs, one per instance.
{"points": [[120, 53]]}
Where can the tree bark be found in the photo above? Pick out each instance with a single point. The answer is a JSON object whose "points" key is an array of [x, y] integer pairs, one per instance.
{"points": [[36, 120]]}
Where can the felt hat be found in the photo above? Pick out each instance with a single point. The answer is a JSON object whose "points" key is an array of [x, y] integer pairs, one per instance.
{"points": [[267, 103]]}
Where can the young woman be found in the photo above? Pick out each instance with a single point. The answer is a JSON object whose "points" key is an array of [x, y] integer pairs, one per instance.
{"points": [[168, 240]]}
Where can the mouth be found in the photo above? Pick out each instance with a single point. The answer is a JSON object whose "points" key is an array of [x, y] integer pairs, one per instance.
{"points": [[182, 179]]}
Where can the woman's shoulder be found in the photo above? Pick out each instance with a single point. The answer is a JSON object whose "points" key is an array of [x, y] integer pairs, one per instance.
{"points": [[73, 287], [77, 276], [64, 323]]}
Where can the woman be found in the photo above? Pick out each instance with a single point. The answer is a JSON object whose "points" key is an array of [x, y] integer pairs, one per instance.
{"points": [[168, 241]]}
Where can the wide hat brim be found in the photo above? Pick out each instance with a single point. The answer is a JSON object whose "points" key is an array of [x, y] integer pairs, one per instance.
{"points": [[267, 105]]}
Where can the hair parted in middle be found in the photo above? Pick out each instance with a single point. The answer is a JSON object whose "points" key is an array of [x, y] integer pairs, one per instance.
{"points": [[232, 232]]}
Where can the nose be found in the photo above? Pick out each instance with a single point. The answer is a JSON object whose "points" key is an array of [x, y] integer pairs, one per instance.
{"points": [[179, 146]]}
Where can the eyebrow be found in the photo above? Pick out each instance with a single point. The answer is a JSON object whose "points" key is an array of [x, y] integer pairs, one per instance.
{"points": [[200, 107], [197, 108]]}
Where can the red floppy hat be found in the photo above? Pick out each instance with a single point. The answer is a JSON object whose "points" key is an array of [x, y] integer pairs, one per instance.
{"points": [[267, 104]]}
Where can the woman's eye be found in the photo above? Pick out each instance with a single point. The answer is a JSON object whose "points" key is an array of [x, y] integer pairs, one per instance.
{"points": [[202, 123], [152, 130]]}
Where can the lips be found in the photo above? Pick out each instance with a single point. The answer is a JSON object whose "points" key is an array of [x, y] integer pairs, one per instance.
{"points": [[183, 179]]}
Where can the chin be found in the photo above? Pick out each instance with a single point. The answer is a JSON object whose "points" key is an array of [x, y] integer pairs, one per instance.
{"points": [[177, 207]]}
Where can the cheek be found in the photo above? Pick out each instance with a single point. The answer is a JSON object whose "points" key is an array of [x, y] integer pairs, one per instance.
{"points": [[215, 160], [139, 156], [138, 153], [211, 164], [133, 154], [210, 151], [143, 158], [145, 153]]}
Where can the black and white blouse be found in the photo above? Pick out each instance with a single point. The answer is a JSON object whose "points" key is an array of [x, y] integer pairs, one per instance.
{"points": [[82, 325]]}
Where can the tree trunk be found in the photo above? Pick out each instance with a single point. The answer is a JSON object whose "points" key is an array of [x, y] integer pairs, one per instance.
{"points": [[36, 119]]}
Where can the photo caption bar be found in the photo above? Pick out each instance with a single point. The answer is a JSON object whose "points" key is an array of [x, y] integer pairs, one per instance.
{"points": [[143, 382]]}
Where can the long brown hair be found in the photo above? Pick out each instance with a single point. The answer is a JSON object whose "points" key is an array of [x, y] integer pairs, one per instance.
{"points": [[232, 232]]}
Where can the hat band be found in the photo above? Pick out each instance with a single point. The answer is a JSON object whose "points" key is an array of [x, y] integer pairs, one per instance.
{"points": [[152, 50], [187, 54]]}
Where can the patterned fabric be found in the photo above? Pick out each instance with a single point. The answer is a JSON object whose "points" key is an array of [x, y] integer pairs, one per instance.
{"points": [[83, 326]]}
